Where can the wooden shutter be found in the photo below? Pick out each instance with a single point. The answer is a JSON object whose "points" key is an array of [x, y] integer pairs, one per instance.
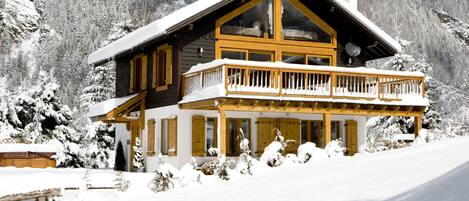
{"points": [[198, 136], [265, 126], [169, 65], [143, 84], [352, 144], [154, 66], [290, 129], [151, 137], [132, 75], [172, 137]]}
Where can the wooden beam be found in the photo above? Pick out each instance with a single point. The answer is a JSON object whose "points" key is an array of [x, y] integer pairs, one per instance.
{"points": [[326, 118], [417, 124], [221, 131]]}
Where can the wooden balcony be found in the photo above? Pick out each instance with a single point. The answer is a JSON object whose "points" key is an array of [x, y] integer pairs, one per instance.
{"points": [[268, 79]]}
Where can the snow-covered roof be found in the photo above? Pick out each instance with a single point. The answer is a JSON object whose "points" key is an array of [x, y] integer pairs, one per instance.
{"points": [[153, 30], [357, 15], [107, 106], [199, 8], [220, 62], [39, 148]]}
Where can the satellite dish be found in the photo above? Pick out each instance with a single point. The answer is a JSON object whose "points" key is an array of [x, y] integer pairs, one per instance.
{"points": [[353, 49]]}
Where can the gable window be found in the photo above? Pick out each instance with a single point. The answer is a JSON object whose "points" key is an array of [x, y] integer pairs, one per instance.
{"points": [[138, 73], [275, 26], [249, 55], [169, 136], [317, 60], [255, 22], [162, 67], [297, 26]]}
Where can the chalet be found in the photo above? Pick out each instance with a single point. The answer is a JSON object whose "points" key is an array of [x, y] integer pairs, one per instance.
{"points": [[191, 80]]}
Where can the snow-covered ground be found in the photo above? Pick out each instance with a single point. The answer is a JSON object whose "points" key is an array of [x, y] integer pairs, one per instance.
{"points": [[436, 171]]}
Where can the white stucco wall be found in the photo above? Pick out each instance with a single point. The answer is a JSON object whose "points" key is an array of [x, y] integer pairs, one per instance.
{"points": [[184, 132]]}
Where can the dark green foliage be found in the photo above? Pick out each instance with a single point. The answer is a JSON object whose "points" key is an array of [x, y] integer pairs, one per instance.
{"points": [[120, 158]]}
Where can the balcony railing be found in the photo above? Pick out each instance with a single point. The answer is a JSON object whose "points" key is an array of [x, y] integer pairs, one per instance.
{"points": [[307, 81]]}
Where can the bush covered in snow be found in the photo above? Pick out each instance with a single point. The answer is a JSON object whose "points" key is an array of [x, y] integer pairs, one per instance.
{"points": [[245, 161], [273, 152], [166, 177], [120, 183], [335, 149], [309, 151]]}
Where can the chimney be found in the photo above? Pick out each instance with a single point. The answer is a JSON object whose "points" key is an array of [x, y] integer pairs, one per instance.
{"points": [[353, 4]]}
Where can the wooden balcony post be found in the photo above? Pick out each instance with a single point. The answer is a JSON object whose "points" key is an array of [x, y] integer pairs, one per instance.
{"points": [[326, 122], [333, 83], [221, 134], [417, 124]]}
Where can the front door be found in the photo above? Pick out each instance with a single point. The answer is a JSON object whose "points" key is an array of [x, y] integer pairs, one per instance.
{"points": [[352, 147]]}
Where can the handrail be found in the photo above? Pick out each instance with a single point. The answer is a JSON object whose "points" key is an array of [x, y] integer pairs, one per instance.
{"points": [[289, 82]]}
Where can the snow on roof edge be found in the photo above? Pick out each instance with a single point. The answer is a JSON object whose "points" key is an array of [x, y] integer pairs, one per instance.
{"points": [[38, 148], [151, 31], [107, 106], [369, 24]]}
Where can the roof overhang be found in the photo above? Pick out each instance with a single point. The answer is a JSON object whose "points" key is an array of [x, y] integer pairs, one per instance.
{"points": [[118, 110]]}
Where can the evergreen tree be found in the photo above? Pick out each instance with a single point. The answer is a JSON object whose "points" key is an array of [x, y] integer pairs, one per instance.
{"points": [[102, 85], [42, 118], [120, 158], [101, 135], [138, 161]]}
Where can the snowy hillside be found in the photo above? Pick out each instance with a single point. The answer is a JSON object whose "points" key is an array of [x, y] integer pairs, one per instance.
{"points": [[410, 174]]}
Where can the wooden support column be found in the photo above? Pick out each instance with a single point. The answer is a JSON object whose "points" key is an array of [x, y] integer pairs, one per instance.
{"points": [[221, 134], [326, 119], [417, 124]]}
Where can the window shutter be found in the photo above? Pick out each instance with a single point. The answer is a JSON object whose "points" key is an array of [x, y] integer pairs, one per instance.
{"points": [[172, 137], [143, 84], [155, 65], [169, 65], [132, 76], [151, 137], [198, 136]]}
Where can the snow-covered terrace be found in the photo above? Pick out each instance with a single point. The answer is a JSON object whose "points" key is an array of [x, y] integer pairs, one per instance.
{"points": [[282, 81]]}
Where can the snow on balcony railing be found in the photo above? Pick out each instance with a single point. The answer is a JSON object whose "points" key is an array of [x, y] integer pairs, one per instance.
{"points": [[305, 81]]}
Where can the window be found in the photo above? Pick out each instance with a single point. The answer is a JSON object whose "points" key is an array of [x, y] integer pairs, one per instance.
{"points": [[321, 61], [232, 54], [335, 130], [162, 67], [306, 59], [255, 22], [169, 136], [293, 59], [312, 131], [151, 137], [211, 131], [276, 26], [138, 73], [233, 133], [297, 26], [251, 55]]}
